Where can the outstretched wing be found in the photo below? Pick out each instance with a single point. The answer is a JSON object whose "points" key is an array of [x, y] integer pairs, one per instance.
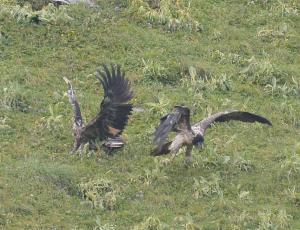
{"points": [[114, 111], [78, 121], [167, 124], [116, 87], [228, 115]]}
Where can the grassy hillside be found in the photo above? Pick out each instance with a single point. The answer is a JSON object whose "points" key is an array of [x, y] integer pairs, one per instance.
{"points": [[208, 55]]}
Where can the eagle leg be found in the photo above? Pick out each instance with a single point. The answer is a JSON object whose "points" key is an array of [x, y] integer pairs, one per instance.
{"points": [[188, 154], [176, 144]]}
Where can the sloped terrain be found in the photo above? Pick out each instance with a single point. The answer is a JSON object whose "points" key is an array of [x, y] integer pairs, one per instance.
{"points": [[208, 55]]}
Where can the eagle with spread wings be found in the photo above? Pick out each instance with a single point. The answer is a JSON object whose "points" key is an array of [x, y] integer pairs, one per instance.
{"points": [[113, 115], [186, 135]]}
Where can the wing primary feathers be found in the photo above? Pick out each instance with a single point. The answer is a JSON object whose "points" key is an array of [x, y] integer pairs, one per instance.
{"points": [[113, 73], [243, 116], [103, 80], [75, 105], [168, 123], [115, 111], [107, 73], [228, 115], [116, 87], [118, 70]]}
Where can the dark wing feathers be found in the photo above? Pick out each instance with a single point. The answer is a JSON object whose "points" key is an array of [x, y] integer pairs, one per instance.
{"points": [[161, 149], [168, 123], [115, 85], [114, 112], [242, 116], [228, 115], [121, 114]]}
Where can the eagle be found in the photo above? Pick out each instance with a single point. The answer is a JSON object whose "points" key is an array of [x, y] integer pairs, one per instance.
{"points": [[186, 135], [113, 115]]}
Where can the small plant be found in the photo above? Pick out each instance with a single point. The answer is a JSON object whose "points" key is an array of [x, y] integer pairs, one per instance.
{"points": [[155, 72], [236, 59], [99, 225], [242, 164], [151, 175], [36, 4], [160, 106], [291, 165], [218, 56], [48, 14], [262, 72], [287, 8], [282, 89], [231, 58], [212, 159], [269, 35], [242, 220], [207, 187], [8, 2], [269, 219], [208, 82], [3, 123], [293, 195], [13, 97], [217, 35], [221, 83], [172, 15], [100, 192], [243, 195], [151, 223], [53, 122], [186, 223]]}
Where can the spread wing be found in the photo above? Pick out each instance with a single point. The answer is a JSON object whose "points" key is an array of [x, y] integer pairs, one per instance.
{"points": [[116, 87], [114, 111], [167, 124], [78, 121], [228, 115]]}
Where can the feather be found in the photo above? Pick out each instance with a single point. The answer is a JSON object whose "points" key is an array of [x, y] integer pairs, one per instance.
{"points": [[114, 112], [114, 84], [228, 115], [177, 120], [161, 149], [78, 121], [167, 123]]}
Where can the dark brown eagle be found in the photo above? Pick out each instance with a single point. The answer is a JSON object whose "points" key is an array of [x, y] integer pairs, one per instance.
{"points": [[114, 111], [179, 121]]}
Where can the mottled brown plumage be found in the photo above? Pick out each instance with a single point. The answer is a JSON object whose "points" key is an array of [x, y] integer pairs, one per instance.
{"points": [[113, 115], [179, 121]]}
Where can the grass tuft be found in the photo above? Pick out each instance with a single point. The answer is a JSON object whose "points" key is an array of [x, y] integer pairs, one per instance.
{"points": [[100, 192]]}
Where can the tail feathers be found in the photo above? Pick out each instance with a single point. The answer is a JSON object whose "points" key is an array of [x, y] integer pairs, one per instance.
{"points": [[161, 150], [114, 142]]}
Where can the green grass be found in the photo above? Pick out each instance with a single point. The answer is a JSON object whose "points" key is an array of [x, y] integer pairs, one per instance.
{"points": [[244, 56]]}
